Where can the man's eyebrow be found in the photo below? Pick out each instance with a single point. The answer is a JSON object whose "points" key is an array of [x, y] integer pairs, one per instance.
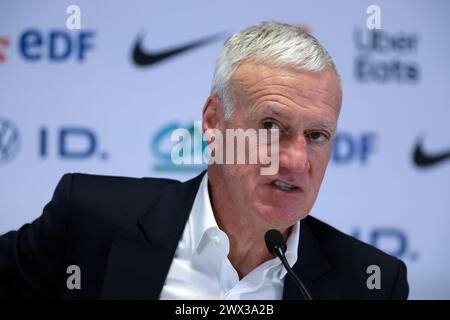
{"points": [[331, 126], [275, 111]]}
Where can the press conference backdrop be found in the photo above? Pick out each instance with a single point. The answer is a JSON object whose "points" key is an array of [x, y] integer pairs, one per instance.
{"points": [[82, 101]]}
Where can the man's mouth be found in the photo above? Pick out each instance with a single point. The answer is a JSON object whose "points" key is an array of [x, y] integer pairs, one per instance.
{"points": [[283, 185]]}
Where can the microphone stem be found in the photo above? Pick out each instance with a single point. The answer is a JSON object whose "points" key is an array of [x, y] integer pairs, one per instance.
{"points": [[293, 276]]}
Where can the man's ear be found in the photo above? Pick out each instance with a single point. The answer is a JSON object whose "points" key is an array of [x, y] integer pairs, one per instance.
{"points": [[213, 114]]}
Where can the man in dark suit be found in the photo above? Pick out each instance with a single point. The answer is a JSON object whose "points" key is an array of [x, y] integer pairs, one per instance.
{"points": [[126, 238]]}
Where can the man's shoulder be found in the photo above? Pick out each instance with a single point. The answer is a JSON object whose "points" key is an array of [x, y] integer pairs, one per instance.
{"points": [[113, 198], [117, 181], [343, 247], [108, 187], [355, 266]]}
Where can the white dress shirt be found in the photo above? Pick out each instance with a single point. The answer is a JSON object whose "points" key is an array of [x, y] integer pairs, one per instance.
{"points": [[201, 269]]}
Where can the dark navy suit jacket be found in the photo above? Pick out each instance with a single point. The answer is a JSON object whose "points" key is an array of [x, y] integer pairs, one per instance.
{"points": [[123, 232]]}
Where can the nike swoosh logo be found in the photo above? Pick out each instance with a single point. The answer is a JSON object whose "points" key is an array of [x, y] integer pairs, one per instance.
{"points": [[423, 159], [147, 58]]}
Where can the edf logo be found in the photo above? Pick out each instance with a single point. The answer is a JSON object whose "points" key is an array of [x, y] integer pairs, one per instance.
{"points": [[70, 143], [349, 148], [55, 45]]}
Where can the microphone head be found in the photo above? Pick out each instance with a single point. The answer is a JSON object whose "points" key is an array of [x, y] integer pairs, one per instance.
{"points": [[274, 240]]}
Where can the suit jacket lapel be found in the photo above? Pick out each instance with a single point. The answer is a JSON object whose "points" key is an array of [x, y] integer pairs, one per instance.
{"points": [[137, 269], [312, 267]]}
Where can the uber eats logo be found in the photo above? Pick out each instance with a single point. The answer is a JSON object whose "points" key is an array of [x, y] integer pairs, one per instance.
{"points": [[385, 56]]}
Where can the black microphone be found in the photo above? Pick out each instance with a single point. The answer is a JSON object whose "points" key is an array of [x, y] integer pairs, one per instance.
{"points": [[277, 247]]}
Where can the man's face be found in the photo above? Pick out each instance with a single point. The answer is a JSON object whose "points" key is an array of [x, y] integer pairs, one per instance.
{"points": [[304, 107]]}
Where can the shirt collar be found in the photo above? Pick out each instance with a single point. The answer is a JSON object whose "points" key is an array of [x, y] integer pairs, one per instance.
{"points": [[292, 247], [202, 215]]}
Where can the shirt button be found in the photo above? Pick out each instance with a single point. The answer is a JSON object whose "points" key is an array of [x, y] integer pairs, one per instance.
{"points": [[216, 239]]}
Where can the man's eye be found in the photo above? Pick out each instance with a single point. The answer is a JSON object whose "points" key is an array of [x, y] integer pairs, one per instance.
{"points": [[317, 136], [270, 125]]}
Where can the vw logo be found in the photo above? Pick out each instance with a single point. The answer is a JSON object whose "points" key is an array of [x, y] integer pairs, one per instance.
{"points": [[9, 141]]}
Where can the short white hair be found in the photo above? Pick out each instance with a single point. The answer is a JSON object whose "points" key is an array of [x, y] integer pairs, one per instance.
{"points": [[272, 42]]}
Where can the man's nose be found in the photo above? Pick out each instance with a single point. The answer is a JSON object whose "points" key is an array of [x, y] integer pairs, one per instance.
{"points": [[294, 155]]}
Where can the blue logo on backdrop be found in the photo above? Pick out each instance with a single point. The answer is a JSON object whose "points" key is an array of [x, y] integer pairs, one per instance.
{"points": [[161, 147], [55, 45], [350, 148], [9, 141], [391, 240], [70, 143], [383, 56]]}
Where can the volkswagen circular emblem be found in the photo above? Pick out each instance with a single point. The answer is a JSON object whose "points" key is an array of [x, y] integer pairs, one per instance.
{"points": [[9, 141]]}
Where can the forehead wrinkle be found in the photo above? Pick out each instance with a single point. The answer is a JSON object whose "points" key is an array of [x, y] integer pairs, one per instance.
{"points": [[251, 83], [255, 88], [272, 111], [298, 97], [282, 79]]}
